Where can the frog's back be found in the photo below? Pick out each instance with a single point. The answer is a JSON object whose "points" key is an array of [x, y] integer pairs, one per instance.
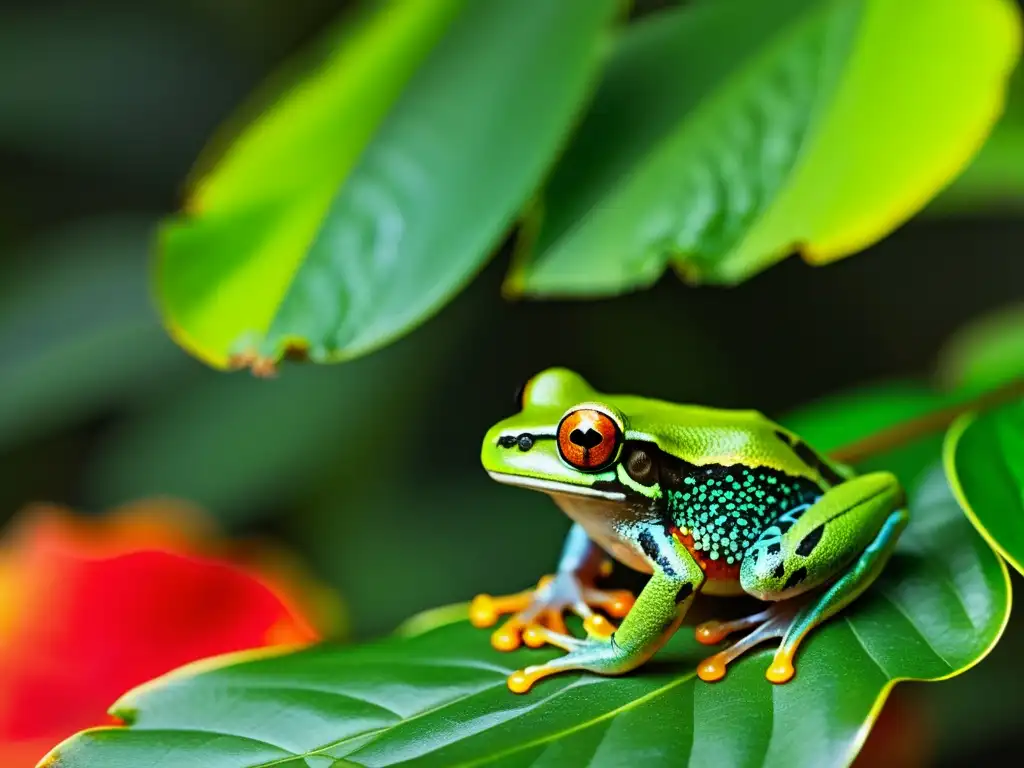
{"points": [[705, 436], [727, 476]]}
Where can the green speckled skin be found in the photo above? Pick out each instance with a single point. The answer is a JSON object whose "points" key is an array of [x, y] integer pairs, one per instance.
{"points": [[702, 499]]}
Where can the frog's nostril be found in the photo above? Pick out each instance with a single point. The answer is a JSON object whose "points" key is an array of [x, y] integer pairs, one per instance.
{"points": [[591, 438], [524, 441]]}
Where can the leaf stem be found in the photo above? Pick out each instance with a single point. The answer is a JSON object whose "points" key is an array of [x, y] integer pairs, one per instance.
{"points": [[899, 435]]}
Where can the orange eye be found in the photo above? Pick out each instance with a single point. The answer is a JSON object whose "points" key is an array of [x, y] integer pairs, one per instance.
{"points": [[588, 439]]}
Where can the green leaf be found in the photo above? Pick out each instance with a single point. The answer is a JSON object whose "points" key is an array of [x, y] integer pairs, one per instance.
{"points": [[995, 178], [77, 331], [985, 354], [378, 185], [984, 457], [436, 696], [727, 135]]}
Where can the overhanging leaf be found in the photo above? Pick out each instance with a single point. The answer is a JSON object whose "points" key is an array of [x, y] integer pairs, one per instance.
{"points": [[984, 457], [437, 696], [726, 135], [378, 186], [995, 178]]}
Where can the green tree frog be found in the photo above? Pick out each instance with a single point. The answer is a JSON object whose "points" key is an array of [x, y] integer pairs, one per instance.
{"points": [[705, 500]]}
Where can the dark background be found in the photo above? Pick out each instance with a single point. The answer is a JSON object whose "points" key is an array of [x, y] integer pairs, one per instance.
{"points": [[370, 470]]}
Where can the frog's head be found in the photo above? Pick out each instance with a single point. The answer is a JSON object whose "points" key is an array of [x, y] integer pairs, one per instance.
{"points": [[566, 438]]}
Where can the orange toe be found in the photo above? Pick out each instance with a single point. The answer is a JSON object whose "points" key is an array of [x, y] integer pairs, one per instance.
{"points": [[534, 637], [711, 669], [781, 670], [520, 682], [598, 625], [482, 611], [710, 633], [505, 640]]}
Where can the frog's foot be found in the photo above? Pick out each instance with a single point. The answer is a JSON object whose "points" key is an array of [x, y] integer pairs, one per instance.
{"points": [[545, 608], [770, 624], [600, 656]]}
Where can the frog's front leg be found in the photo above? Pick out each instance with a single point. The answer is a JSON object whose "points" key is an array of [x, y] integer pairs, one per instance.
{"points": [[843, 541], [650, 622], [570, 589]]}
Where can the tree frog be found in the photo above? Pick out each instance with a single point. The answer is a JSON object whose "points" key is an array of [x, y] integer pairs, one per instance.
{"points": [[705, 500]]}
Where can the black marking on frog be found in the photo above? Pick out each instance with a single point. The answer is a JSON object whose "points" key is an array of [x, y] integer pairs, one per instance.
{"points": [[811, 458], [810, 541], [796, 577], [780, 570], [650, 548], [684, 592]]}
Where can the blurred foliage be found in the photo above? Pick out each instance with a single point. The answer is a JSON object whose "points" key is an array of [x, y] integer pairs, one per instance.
{"points": [[986, 353], [376, 483]]}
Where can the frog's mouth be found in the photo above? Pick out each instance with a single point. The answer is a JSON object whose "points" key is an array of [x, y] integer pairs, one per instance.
{"points": [[554, 486]]}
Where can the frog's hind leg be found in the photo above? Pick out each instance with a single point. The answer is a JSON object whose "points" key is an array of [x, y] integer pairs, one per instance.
{"points": [[842, 540], [844, 591]]}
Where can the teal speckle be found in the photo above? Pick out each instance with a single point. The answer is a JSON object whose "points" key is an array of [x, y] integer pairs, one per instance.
{"points": [[726, 510]]}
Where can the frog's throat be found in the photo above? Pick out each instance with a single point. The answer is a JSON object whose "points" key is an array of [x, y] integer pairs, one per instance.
{"points": [[553, 486]]}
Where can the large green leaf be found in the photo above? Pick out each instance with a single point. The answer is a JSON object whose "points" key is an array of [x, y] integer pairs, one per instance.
{"points": [[995, 178], [984, 458], [728, 134], [376, 187], [436, 696]]}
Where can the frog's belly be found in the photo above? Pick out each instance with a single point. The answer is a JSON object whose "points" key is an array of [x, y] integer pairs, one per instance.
{"points": [[601, 520]]}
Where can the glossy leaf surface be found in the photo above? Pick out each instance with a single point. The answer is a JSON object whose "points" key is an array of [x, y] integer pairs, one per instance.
{"points": [[984, 458], [727, 135], [437, 696], [379, 184]]}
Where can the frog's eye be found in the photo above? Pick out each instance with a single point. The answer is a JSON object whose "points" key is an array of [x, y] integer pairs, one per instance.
{"points": [[589, 439]]}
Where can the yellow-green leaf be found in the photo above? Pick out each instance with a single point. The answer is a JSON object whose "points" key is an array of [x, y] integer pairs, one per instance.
{"points": [[378, 184], [726, 135]]}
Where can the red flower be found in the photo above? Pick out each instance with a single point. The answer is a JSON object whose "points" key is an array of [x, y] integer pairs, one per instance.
{"points": [[90, 607]]}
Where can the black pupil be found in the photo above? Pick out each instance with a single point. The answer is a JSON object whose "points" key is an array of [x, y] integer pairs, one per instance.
{"points": [[589, 439]]}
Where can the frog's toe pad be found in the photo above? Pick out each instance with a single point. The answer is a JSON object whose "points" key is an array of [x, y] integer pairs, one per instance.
{"points": [[781, 670], [520, 682], [598, 626], [711, 632], [712, 669]]}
